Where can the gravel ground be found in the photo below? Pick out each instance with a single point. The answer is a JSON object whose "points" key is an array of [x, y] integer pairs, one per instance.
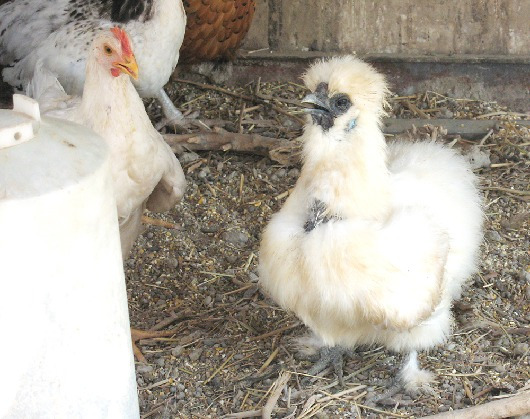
{"points": [[198, 274]]}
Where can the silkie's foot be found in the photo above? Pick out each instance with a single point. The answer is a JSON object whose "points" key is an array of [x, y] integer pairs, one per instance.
{"points": [[330, 357], [396, 387], [415, 379], [411, 380]]}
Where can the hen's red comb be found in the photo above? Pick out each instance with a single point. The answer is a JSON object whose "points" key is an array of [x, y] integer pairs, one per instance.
{"points": [[122, 36]]}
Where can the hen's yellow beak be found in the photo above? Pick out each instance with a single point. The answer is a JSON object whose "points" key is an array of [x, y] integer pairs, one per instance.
{"points": [[128, 66]]}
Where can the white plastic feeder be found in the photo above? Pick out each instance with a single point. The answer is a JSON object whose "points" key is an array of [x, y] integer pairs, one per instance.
{"points": [[65, 343]]}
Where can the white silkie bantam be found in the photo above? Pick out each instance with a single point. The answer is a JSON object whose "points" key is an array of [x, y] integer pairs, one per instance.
{"points": [[376, 239]]}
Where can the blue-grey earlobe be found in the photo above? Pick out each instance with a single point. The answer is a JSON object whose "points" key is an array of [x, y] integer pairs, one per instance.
{"points": [[351, 125]]}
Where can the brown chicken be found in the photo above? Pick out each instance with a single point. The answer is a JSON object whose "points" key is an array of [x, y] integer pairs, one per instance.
{"points": [[215, 29]]}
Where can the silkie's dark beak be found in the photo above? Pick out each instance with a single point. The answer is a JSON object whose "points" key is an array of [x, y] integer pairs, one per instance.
{"points": [[320, 111], [319, 101]]}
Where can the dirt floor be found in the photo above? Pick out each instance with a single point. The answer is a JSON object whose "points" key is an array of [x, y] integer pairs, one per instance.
{"points": [[196, 275]]}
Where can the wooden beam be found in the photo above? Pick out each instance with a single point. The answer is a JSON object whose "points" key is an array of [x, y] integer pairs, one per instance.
{"points": [[466, 128], [511, 406], [287, 152]]}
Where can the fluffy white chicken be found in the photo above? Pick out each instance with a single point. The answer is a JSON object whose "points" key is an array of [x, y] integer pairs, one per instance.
{"points": [[376, 240], [60, 33]]}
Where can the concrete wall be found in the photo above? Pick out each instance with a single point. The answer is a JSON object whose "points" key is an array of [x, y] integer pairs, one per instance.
{"points": [[415, 27]]}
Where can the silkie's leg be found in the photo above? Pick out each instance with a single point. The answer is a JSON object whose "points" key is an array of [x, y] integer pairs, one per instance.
{"points": [[330, 357], [412, 376]]}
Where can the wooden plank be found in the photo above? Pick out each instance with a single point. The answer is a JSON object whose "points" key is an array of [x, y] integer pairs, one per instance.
{"points": [[287, 152], [245, 56], [466, 128]]}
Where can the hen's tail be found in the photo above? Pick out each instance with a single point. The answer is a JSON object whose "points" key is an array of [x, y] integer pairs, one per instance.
{"points": [[45, 88]]}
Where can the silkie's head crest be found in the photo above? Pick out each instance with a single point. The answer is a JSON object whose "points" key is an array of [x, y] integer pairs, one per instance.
{"points": [[342, 90]]}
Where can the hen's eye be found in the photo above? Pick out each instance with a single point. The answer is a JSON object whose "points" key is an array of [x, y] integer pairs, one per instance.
{"points": [[107, 49]]}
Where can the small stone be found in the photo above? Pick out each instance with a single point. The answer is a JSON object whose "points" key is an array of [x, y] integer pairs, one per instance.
{"points": [[281, 173], [188, 157], [195, 355], [142, 369], [181, 395], [294, 173], [250, 292], [500, 368], [520, 348], [211, 228], [216, 382], [231, 258], [207, 300], [525, 276], [446, 113], [160, 362], [177, 350], [209, 342], [235, 237], [493, 236], [289, 124], [172, 263]]}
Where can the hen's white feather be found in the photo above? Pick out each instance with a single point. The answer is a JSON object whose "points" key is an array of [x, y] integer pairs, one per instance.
{"points": [[53, 100]]}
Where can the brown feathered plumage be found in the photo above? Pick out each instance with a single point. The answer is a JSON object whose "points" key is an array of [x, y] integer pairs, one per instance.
{"points": [[215, 29]]}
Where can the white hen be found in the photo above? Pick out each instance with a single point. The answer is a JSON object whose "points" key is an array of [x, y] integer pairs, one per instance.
{"points": [[145, 171], [375, 240], [60, 34]]}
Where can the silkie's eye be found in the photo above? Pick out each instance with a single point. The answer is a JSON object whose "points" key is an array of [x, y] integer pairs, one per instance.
{"points": [[107, 49], [342, 103]]}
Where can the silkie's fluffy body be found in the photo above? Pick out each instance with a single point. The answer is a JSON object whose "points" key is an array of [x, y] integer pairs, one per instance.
{"points": [[145, 171], [60, 33], [400, 233]]}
